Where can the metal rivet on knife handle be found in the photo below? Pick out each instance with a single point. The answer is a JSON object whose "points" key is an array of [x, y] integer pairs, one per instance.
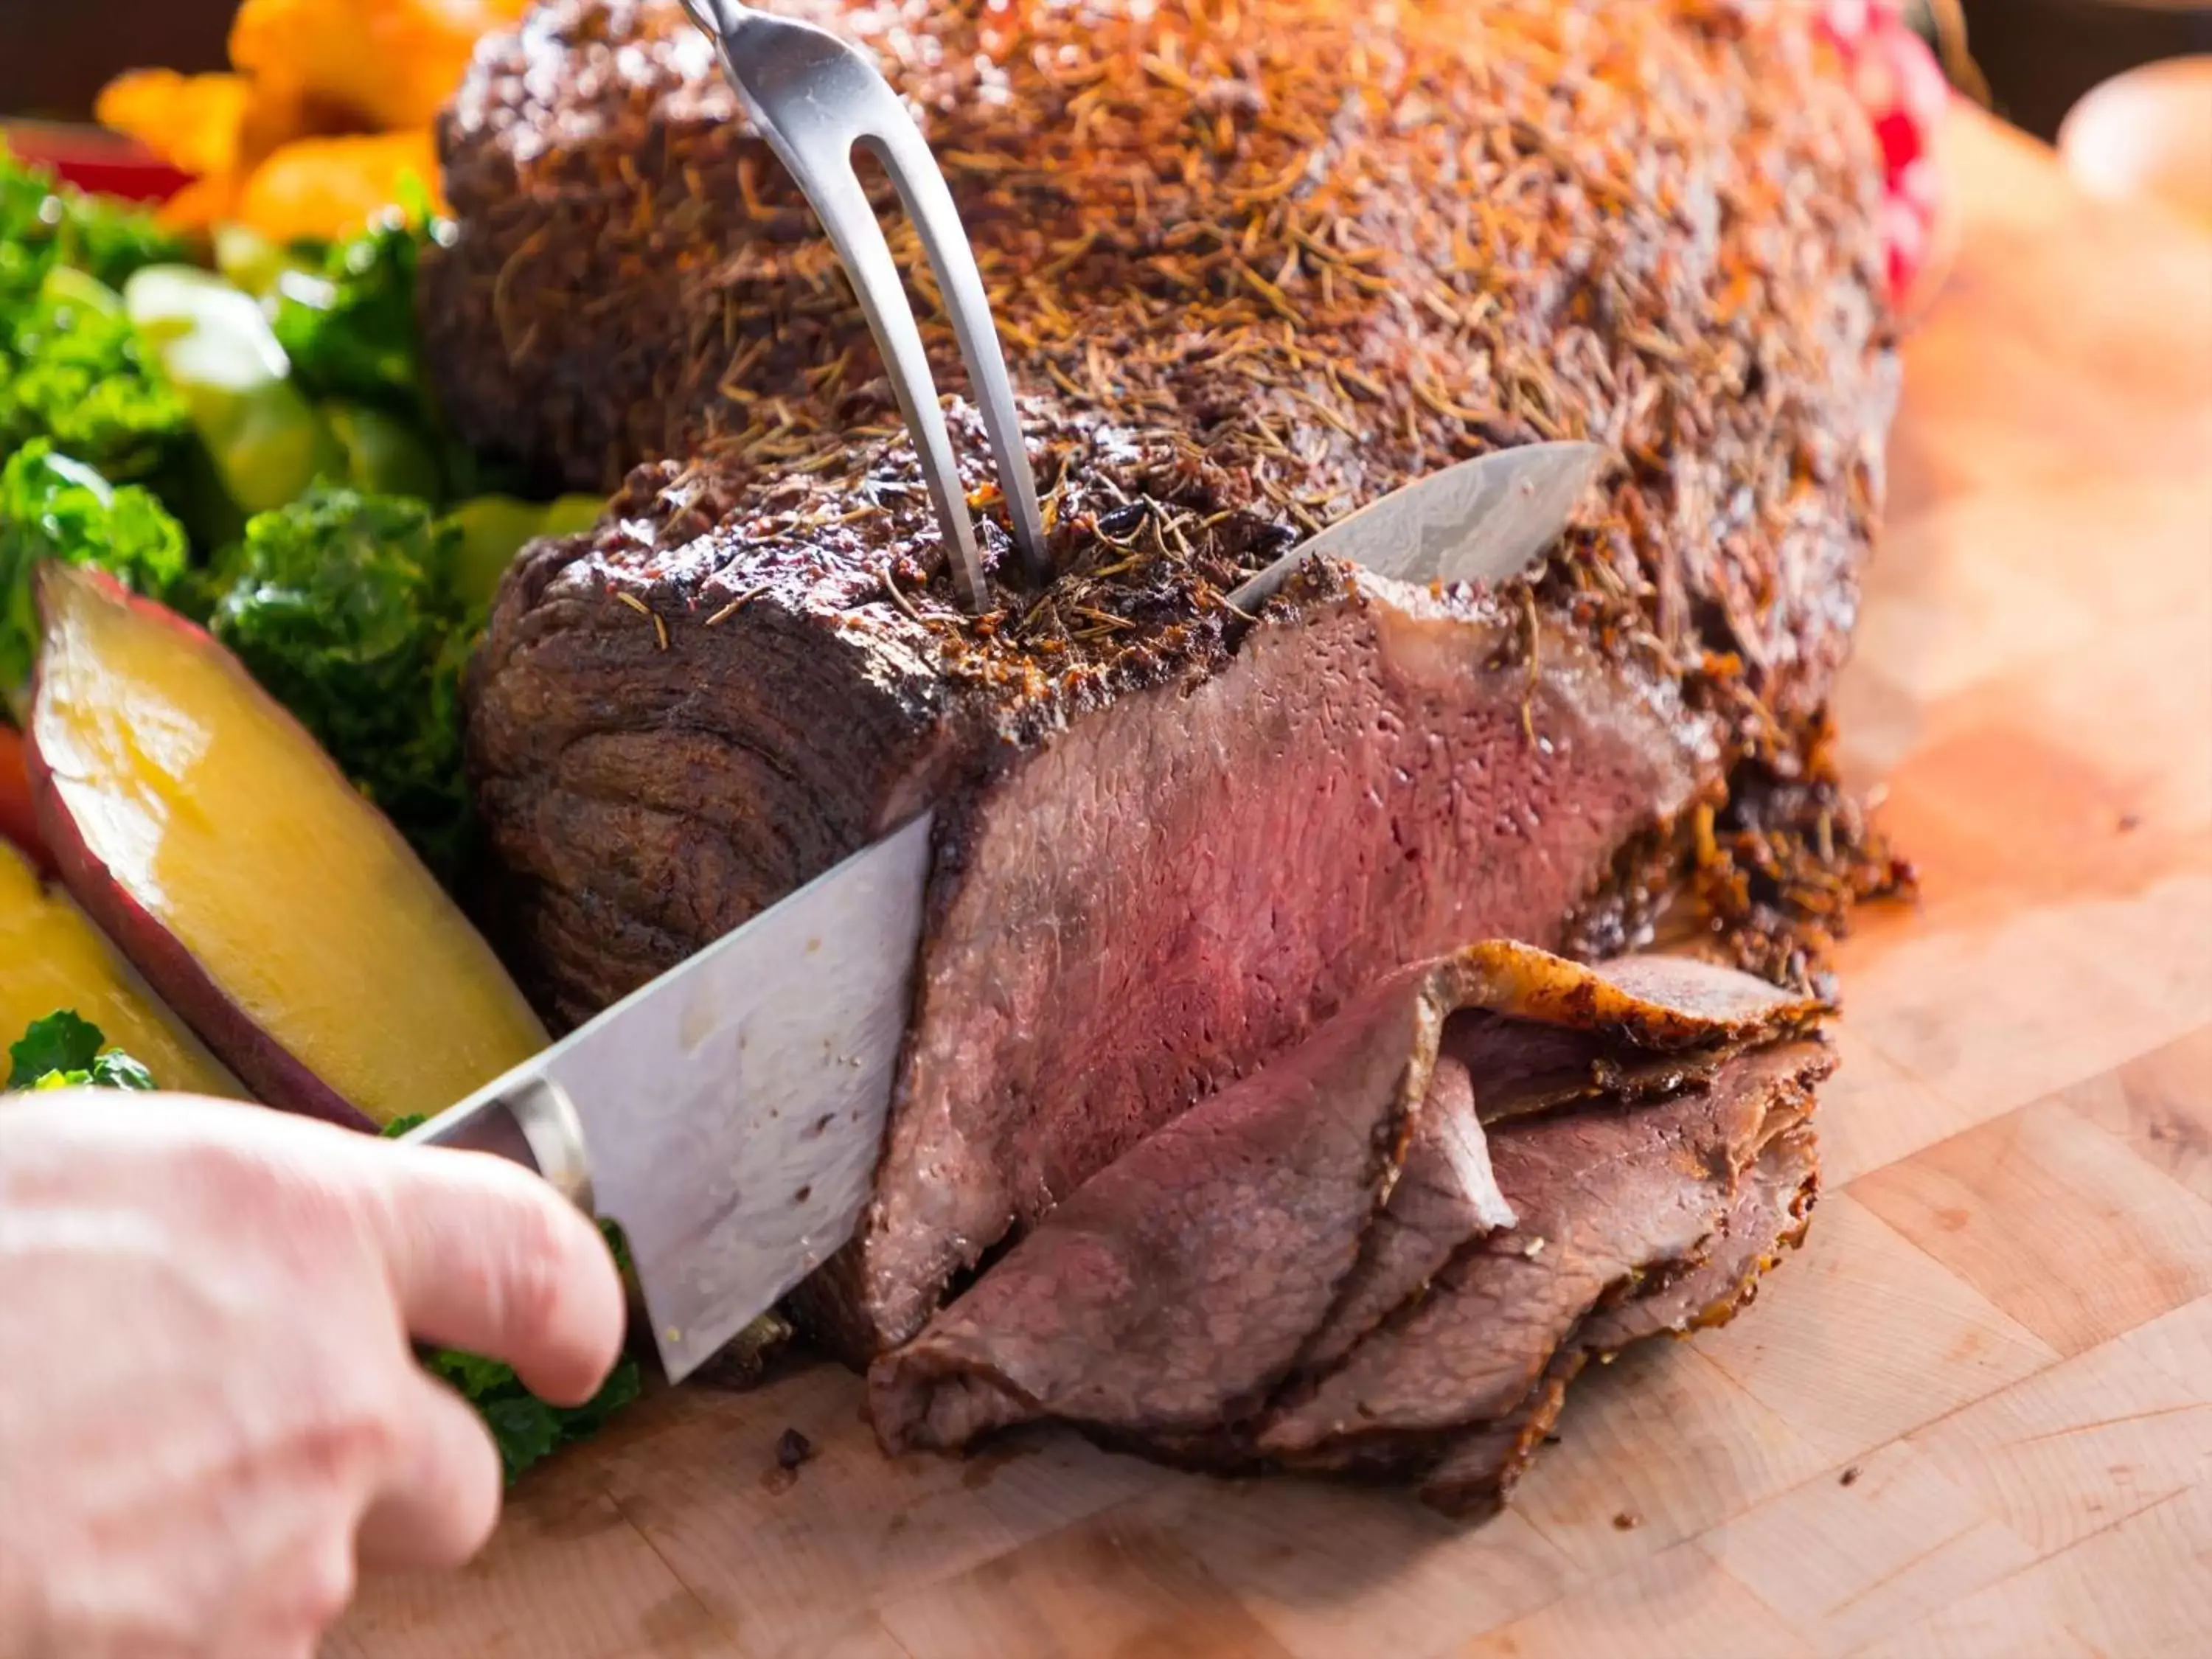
{"points": [[550, 1123], [529, 1120]]}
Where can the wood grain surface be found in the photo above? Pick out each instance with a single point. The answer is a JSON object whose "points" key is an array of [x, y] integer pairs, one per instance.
{"points": [[1972, 1417]]}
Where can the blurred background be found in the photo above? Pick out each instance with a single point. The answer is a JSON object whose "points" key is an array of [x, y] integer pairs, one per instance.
{"points": [[2040, 55], [55, 55], [2035, 60]]}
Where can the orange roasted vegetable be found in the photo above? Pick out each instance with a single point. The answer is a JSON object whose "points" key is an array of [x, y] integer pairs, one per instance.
{"points": [[327, 113], [321, 188], [195, 123], [392, 62]]}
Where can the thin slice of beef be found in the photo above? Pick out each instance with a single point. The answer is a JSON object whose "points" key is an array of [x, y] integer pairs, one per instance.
{"points": [[1603, 1197], [1481, 1465], [1445, 1195], [1772, 1208], [1326, 1266], [1173, 1291]]}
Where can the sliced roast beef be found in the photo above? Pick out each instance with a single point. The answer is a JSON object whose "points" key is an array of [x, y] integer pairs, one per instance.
{"points": [[1481, 1465], [1172, 1292], [1603, 1197], [1183, 884], [1324, 1266], [1446, 1194], [1337, 248], [1772, 1206], [1125, 918]]}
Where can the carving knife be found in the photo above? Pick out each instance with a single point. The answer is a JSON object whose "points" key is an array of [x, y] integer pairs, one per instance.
{"points": [[1482, 520], [728, 1116]]}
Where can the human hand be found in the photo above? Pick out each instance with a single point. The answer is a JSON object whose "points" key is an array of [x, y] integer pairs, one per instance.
{"points": [[209, 1407]]}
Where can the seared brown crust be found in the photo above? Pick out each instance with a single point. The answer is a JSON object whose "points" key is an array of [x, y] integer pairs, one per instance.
{"points": [[1254, 266]]}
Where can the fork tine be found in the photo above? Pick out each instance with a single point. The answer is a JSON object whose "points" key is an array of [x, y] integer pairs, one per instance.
{"points": [[906, 155], [842, 205], [816, 100]]}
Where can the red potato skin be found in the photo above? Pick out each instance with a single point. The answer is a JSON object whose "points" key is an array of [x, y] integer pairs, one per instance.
{"points": [[277, 1077], [18, 819]]}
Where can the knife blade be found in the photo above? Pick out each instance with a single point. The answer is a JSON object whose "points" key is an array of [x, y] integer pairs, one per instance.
{"points": [[728, 1116], [1480, 520]]}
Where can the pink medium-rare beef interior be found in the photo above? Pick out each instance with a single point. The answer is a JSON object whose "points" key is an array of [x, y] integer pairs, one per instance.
{"points": [[1182, 884], [1332, 1266], [1172, 1291]]}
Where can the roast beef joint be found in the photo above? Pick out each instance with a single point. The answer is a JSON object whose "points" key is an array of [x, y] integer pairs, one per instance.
{"points": [[1219, 1131]]}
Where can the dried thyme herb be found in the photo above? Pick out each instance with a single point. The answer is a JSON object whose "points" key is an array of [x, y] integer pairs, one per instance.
{"points": [[1255, 264]]}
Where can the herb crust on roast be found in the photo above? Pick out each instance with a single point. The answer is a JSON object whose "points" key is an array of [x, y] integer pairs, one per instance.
{"points": [[1255, 265]]}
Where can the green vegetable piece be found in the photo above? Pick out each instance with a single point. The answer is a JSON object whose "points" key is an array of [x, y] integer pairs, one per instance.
{"points": [[383, 455], [114, 240], [253, 264], [72, 368], [116, 1070], [524, 1427], [65, 285], [215, 345], [342, 605], [63, 1051], [54, 508], [493, 529], [44, 224], [572, 515], [350, 327], [475, 1378], [62, 1041], [26, 233]]}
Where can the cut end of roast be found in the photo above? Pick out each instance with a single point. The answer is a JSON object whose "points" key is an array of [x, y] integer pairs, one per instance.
{"points": [[1186, 857], [1385, 1254]]}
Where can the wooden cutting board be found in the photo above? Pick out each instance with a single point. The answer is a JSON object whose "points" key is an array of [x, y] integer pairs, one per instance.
{"points": [[1972, 1417]]}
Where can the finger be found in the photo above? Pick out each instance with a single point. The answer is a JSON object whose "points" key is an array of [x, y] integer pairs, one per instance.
{"points": [[441, 1501], [485, 1257]]}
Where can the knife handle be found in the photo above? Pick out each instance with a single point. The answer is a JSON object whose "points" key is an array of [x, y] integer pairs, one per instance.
{"points": [[532, 1123]]}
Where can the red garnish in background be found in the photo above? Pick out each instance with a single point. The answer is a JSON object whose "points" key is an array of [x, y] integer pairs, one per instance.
{"points": [[1904, 90], [104, 163]]}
